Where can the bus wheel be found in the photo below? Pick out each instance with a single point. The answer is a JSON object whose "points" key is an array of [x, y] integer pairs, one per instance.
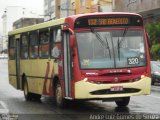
{"points": [[37, 97], [123, 102], [58, 96], [27, 94], [152, 81]]}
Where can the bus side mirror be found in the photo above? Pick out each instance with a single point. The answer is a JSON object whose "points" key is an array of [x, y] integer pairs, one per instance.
{"points": [[72, 34], [72, 41], [72, 44], [72, 37], [149, 40]]}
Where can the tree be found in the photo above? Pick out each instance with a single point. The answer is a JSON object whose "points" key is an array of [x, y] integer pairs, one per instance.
{"points": [[153, 29]]}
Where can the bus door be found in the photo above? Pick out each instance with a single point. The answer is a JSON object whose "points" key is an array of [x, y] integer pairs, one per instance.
{"points": [[17, 62], [67, 63]]}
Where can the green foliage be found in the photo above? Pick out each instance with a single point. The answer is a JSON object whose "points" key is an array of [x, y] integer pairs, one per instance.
{"points": [[153, 30], [155, 52]]}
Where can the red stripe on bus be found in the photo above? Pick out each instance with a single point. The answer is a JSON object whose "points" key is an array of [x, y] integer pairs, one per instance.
{"points": [[45, 80]]}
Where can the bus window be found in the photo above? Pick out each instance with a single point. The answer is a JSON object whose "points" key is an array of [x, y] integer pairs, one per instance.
{"points": [[33, 49], [44, 43], [24, 46], [55, 42], [57, 34], [12, 45]]}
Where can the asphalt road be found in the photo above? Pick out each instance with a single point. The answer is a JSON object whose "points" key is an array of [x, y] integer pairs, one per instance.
{"points": [[13, 105]]}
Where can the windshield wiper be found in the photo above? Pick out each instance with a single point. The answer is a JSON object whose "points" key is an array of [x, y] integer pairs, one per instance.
{"points": [[120, 41], [118, 44], [124, 34], [101, 41], [108, 47]]}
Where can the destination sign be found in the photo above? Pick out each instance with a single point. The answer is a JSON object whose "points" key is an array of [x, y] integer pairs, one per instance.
{"points": [[108, 21], [102, 21]]}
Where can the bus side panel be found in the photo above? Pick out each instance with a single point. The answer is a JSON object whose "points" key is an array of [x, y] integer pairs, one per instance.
{"points": [[24, 69], [12, 73], [30, 68], [47, 70], [39, 74], [42, 70]]}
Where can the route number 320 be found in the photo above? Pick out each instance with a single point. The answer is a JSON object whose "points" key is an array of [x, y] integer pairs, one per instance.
{"points": [[133, 61]]}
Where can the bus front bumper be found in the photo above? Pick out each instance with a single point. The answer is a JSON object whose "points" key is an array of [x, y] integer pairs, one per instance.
{"points": [[87, 90]]}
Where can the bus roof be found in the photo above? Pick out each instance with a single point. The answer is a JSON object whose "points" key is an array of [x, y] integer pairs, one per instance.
{"points": [[104, 13], [38, 26], [83, 18]]}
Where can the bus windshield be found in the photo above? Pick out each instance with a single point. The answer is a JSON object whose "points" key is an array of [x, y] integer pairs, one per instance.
{"points": [[111, 49]]}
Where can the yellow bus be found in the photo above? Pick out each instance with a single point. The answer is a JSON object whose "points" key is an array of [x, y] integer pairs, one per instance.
{"points": [[91, 56]]}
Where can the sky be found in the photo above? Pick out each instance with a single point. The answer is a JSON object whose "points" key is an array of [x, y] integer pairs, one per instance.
{"points": [[36, 6]]}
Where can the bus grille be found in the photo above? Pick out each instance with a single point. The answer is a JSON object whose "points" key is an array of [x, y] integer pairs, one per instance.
{"points": [[107, 91]]}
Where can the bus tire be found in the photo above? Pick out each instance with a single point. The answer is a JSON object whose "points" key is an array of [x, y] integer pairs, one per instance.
{"points": [[36, 97], [27, 94], [123, 102], [60, 101], [152, 81]]}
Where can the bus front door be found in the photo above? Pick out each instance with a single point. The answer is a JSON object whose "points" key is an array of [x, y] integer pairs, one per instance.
{"points": [[67, 65]]}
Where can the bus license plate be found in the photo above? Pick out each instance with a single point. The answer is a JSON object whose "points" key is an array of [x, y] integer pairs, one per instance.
{"points": [[116, 88]]}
